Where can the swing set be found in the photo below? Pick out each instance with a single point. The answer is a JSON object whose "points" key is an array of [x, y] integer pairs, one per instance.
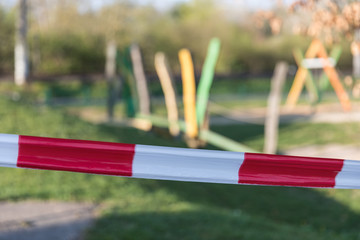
{"points": [[316, 57]]}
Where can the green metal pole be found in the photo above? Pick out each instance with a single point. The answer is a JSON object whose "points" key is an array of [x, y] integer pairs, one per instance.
{"points": [[223, 142], [324, 80], [207, 76], [129, 91], [309, 82]]}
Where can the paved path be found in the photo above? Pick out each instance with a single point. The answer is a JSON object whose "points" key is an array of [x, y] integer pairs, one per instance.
{"points": [[44, 220], [325, 113]]}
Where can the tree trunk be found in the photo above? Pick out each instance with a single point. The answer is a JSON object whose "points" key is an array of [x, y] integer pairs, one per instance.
{"points": [[110, 74], [110, 65], [21, 51], [355, 49]]}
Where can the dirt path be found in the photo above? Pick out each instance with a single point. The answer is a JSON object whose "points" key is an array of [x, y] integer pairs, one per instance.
{"points": [[324, 113], [330, 151], [45, 220]]}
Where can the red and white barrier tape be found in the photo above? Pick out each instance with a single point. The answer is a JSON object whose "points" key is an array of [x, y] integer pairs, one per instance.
{"points": [[168, 163]]}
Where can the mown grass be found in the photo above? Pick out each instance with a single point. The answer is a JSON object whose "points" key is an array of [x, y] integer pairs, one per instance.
{"points": [[294, 135], [149, 209]]}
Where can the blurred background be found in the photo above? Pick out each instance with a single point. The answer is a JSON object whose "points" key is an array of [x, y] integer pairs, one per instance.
{"points": [[88, 70], [69, 37]]}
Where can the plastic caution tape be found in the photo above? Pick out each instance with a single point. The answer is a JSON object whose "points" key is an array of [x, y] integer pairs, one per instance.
{"points": [[152, 162]]}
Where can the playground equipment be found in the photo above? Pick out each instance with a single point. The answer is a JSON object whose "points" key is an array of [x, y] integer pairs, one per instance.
{"points": [[129, 89], [195, 125], [273, 109], [207, 76], [141, 86], [189, 93], [304, 76], [168, 86], [110, 75]]}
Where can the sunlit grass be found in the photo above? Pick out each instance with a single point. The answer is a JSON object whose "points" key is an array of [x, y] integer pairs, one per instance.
{"points": [[149, 209]]}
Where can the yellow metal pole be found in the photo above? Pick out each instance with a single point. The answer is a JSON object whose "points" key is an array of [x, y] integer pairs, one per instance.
{"points": [[296, 88], [189, 92]]}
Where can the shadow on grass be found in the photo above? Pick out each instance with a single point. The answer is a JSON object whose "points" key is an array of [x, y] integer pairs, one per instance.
{"points": [[208, 225], [213, 211], [242, 132], [300, 206], [289, 134], [230, 211], [233, 212], [135, 136]]}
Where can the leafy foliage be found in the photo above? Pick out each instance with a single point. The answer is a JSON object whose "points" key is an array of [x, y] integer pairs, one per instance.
{"points": [[66, 37]]}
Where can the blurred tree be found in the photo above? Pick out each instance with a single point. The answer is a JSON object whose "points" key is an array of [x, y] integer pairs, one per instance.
{"points": [[274, 18], [197, 22], [352, 15], [331, 20], [328, 20], [7, 31], [126, 23], [21, 46], [116, 21], [70, 36], [65, 39]]}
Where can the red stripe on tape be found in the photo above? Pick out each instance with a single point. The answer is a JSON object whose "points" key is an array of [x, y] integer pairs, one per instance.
{"points": [[278, 170], [76, 155]]}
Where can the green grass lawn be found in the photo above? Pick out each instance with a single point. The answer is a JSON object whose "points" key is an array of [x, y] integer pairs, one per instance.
{"points": [[149, 209], [294, 135]]}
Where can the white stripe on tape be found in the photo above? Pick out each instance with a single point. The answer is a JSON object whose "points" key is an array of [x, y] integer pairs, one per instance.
{"points": [[349, 176], [186, 164], [9, 150]]}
